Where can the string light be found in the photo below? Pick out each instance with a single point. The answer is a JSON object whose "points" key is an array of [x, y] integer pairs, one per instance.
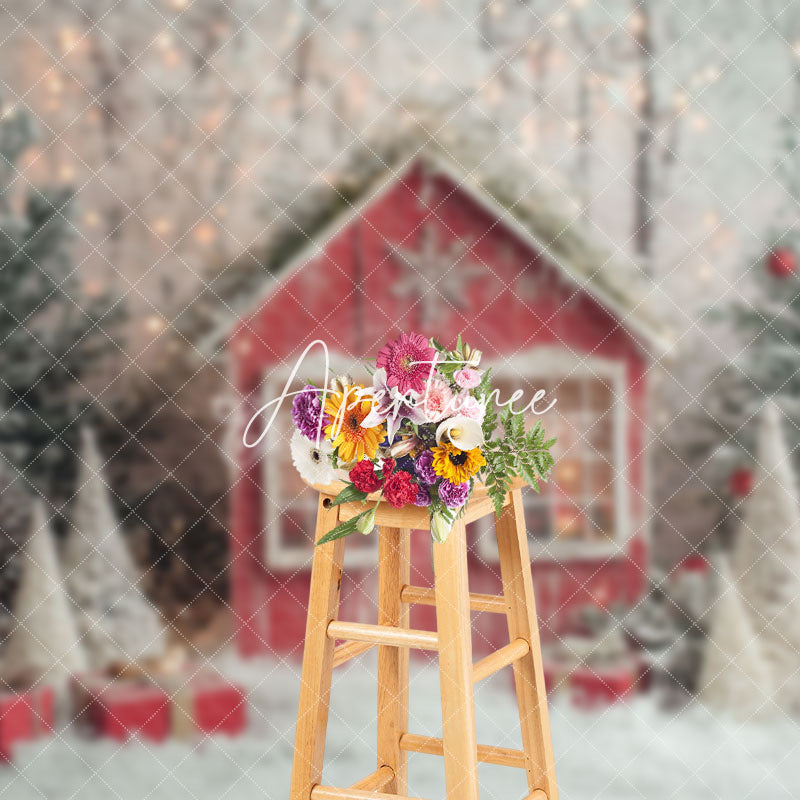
{"points": [[32, 155], [205, 233], [529, 134], [154, 324], [637, 93], [352, 40], [162, 226], [66, 172], [681, 99], [92, 219], [637, 22], [557, 58], [573, 127], [67, 39], [700, 122], [711, 219], [493, 91], [92, 287], [212, 120]]}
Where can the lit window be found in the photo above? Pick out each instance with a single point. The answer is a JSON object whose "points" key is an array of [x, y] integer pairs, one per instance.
{"points": [[582, 505], [290, 506]]}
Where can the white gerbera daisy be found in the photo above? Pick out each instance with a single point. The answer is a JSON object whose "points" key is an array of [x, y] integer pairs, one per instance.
{"points": [[312, 462]]}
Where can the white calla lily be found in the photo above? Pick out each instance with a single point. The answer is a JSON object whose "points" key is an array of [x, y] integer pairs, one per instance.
{"points": [[462, 432]]}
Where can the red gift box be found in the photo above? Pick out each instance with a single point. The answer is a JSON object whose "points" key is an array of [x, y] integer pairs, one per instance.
{"points": [[121, 708], [209, 704], [23, 716], [592, 686]]}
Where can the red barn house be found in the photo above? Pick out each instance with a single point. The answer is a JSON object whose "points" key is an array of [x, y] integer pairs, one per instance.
{"points": [[429, 246]]}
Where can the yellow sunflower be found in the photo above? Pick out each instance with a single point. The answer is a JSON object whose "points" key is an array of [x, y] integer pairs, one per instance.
{"points": [[346, 411], [457, 466]]}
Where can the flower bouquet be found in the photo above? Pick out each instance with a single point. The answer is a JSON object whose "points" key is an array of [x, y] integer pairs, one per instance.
{"points": [[423, 434]]}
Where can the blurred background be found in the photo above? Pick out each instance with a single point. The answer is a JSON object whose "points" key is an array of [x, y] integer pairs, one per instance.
{"points": [[603, 199]]}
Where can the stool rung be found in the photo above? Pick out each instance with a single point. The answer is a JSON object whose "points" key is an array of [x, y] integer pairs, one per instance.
{"points": [[332, 793], [504, 756], [383, 634], [494, 662], [344, 652], [375, 781], [538, 794], [420, 595]]}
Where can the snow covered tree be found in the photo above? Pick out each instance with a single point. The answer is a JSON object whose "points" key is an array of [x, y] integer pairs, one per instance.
{"points": [[735, 676], [15, 513], [766, 559], [44, 643], [117, 621], [49, 328]]}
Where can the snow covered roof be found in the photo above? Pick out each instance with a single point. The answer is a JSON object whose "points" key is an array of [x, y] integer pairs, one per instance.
{"points": [[505, 184]]}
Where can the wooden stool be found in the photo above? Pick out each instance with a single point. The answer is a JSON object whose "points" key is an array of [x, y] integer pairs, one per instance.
{"points": [[393, 637]]}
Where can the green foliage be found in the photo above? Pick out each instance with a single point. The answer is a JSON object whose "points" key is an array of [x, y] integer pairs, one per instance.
{"points": [[450, 361], [765, 324], [514, 453], [348, 495], [50, 332]]}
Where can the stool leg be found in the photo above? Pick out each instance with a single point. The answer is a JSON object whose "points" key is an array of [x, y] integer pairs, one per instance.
{"points": [[515, 570], [455, 665], [315, 684], [394, 572]]}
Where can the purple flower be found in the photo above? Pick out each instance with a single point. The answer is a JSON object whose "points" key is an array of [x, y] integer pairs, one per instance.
{"points": [[307, 410], [423, 466], [423, 496], [453, 495]]}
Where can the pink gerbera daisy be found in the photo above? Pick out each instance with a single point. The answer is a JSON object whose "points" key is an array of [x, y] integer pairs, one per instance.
{"points": [[408, 361]]}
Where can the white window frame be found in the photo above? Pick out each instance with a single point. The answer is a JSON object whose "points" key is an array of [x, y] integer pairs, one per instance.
{"points": [[553, 363], [277, 556]]}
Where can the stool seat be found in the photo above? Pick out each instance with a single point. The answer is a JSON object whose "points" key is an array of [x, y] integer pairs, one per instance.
{"points": [[418, 519], [452, 642]]}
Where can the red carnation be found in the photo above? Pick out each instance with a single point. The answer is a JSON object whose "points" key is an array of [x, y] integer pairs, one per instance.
{"points": [[387, 467], [399, 490], [364, 477]]}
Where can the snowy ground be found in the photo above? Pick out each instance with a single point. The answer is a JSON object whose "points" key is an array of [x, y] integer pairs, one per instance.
{"points": [[627, 751]]}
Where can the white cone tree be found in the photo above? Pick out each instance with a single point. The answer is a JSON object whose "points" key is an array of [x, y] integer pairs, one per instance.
{"points": [[735, 676], [117, 621], [766, 559], [44, 643]]}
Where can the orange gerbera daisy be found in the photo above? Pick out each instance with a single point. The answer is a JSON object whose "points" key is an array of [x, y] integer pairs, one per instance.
{"points": [[347, 409]]}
